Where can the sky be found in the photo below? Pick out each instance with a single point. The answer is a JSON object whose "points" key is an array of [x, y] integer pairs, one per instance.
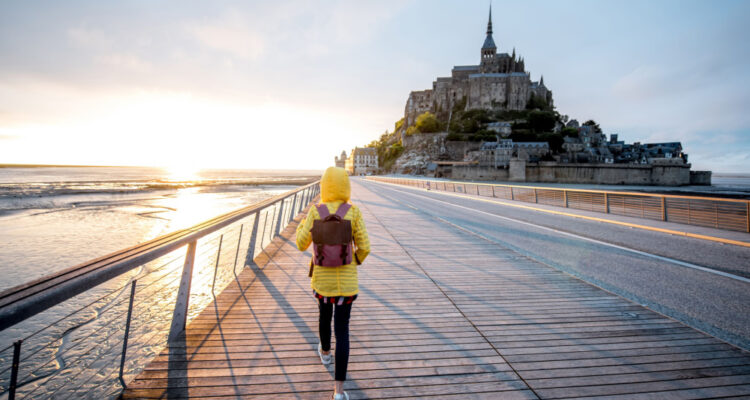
{"points": [[289, 84]]}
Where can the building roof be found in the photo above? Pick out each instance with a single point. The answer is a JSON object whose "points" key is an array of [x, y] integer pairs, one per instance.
{"points": [[531, 144], [466, 68], [489, 43], [369, 151], [489, 75], [496, 75]]}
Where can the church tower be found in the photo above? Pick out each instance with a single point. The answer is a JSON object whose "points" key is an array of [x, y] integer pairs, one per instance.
{"points": [[488, 48]]}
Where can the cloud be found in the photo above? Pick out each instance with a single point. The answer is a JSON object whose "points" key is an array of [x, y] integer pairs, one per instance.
{"points": [[230, 34], [124, 62], [88, 38]]}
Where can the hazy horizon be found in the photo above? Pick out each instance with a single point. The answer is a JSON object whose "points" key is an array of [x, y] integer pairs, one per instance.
{"points": [[288, 85]]}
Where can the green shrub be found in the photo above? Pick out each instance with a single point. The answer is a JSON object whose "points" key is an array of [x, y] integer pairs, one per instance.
{"points": [[542, 121], [537, 103], [572, 132], [390, 155], [399, 124], [427, 122], [593, 123]]}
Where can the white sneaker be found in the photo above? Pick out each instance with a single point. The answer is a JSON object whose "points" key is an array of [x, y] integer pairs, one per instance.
{"points": [[341, 396], [325, 358]]}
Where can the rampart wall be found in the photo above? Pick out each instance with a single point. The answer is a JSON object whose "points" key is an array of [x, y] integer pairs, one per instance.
{"points": [[598, 174]]}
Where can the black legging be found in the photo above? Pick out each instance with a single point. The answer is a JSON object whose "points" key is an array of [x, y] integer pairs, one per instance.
{"points": [[341, 328]]}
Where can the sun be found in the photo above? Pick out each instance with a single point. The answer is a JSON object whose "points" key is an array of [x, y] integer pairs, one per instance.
{"points": [[183, 173]]}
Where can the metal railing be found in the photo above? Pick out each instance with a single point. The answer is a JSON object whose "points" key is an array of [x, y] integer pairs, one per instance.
{"points": [[728, 214], [87, 330]]}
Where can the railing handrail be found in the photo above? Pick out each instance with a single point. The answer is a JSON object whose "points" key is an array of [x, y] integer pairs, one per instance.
{"points": [[715, 212], [677, 196], [28, 299]]}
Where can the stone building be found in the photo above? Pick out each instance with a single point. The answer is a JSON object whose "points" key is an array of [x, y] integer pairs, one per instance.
{"points": [[341, 160], [499, 82], [362, 161], [498, 154]]}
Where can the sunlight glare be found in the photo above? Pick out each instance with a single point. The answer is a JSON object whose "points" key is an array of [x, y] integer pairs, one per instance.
{"points": [[183, 173]]}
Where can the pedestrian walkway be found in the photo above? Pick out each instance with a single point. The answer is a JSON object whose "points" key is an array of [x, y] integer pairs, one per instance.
{"points": [[441, 314]]}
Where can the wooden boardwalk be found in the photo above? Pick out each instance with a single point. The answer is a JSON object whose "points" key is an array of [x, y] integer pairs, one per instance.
{"points": [[441, 314]]}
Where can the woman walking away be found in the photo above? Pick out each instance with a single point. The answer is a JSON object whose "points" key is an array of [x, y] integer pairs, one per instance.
{"points": [[332, 226]]}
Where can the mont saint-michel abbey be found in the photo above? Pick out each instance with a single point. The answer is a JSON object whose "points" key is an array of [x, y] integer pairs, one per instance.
{"points": [[499, 82]]}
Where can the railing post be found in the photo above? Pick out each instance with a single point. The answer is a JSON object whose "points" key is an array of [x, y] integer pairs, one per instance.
{"points": [[253, 238], [263, 233], [663, 208], [493, 190], [716, 213], [512, 196], [280, 217], [536, 199], [294, 208], [606, 203], [127, 333], [565, 198], [216, 267], [14, 369], [747, 216], [179, 317], [237, 252]]}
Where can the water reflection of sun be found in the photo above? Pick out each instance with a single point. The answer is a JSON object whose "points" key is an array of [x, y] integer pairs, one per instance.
{"points": [[191, 207]]}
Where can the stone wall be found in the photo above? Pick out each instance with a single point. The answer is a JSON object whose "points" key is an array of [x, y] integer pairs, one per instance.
{"points": [[598, 174], [457, 150], [700, 178], [463, 172]]}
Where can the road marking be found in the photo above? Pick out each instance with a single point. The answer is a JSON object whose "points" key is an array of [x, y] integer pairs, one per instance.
{"points": [[642, 253], [604, 220]]}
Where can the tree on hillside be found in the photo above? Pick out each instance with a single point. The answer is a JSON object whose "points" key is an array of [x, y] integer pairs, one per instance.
{"points": [[593, 123], [399, 124], [537, 103], [542, 121], [427, 122], [572, 132]]}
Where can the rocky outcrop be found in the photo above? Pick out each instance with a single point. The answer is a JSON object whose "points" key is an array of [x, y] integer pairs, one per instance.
{"points": [[419, 150], [422, 148]]}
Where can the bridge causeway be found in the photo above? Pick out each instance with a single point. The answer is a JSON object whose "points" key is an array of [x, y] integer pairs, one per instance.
{"points": [[444, 313]]}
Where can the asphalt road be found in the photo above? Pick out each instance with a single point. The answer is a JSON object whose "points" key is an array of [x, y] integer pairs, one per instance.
{"points": [[650, 268]]}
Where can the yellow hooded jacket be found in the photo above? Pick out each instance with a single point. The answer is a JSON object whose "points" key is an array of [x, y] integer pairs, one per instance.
{"points": [[336, 281]]}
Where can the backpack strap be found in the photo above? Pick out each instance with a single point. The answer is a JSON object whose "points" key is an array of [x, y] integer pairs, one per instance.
{"points": [[323, 210], [343, 209]]}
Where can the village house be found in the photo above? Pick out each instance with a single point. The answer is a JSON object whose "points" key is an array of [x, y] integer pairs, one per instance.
{"points": [[362, 161]]}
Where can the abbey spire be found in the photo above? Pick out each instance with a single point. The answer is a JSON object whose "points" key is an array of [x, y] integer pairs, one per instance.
{"points": [[488, 48], [489, 23]]}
